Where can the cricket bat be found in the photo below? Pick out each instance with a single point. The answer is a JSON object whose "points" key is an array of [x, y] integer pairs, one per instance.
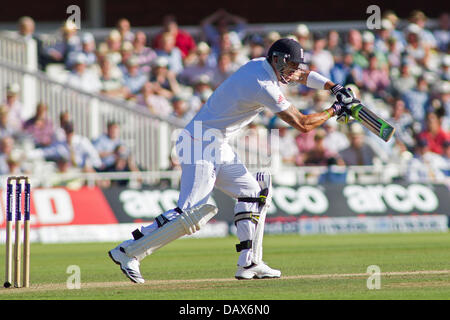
{"points": [[372, 122]]}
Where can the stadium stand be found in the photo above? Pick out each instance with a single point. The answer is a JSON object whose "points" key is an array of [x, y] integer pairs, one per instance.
{"points": [[152, 84]]}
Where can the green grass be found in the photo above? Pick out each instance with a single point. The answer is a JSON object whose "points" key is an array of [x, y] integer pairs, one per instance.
{"points": [[209, 265]]}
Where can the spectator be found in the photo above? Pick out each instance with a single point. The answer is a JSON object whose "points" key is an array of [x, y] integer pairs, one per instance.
{"points": [[394, 54], [26, 30], [395, 33], [442, 34], [417, 100], [256, 47], [444, 72], [321, 57], [183, 40], [354, 41], [320, 99], [375, 79], [426, 166], [112, 83], [124, 28], [305, 142], [171, 52], [347, 72], [221, 22], [67, 176], [70, 42], [223, 70], [335, 172], [106, 144], [225, 45], [382, 35], [126, 52], [165, 78], [6, 130], [446, 156], [40, 127], [253, 142], [269, 39], [417, 53], [287, 147], [110, 49], [334, 45], [358, 153], [123, 162], [403, 124], [134, 78], [404, 81], [418, 18], [319, 155], [238, 58], [14, 106], [6, 153], [15, 166], [144, 54], [181, 108], [88, 48], [361, 58], [77, 148], [200, 67], [444, 96], [26, 27], [81, 78], [303, 37], [64, 119], [202, 91], [154, 98], [334, 141], [62, 166], [434, 135]]}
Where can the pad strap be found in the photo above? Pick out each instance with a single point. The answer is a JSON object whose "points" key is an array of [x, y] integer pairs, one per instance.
{"points": [[137, 234], [261, 200], [246, 215], [247, 244], [161, 220], [248, 199]]}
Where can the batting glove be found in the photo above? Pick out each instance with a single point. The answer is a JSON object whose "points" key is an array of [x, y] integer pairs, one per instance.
{"points": [[342, 112], [343, 96]]}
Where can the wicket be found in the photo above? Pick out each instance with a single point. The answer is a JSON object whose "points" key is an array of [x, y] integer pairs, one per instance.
{"points": [[18, 229]]}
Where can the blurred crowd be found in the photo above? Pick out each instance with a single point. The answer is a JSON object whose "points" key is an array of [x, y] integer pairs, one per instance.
{"points": [[26, 146], [400, 71]]}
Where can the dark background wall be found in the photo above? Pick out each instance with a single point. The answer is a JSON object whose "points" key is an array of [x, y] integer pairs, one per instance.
{"points": [[41, 10], [190, 12]]}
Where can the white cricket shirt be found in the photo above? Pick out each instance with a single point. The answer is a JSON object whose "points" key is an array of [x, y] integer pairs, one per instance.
{"points": [[240, 98]]}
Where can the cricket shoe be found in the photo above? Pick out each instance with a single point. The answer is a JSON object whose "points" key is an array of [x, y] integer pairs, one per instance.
{"points": [[129, 266], [256, 271]]}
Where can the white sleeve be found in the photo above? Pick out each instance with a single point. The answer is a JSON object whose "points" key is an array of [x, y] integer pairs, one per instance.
{"points": [[93, 158], [272, 98]]}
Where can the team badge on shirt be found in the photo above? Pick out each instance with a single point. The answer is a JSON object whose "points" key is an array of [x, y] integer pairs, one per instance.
{"points": [[280, 99]]}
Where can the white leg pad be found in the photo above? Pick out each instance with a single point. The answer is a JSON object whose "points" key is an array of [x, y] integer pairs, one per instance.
{"points": [[265, 181], [187, 223]]}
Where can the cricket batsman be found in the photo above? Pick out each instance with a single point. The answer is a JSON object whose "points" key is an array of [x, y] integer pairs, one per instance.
{"points": [[208, 161]]}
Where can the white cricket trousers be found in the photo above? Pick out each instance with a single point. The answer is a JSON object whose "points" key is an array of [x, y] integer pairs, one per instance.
{"points": [[226, 172]]}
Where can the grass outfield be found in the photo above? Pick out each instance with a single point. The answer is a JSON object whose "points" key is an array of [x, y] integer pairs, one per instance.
{"points": [[413, 266]]}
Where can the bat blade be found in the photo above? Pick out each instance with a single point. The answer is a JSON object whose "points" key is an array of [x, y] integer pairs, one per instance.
{"points": [[371, 121]]}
